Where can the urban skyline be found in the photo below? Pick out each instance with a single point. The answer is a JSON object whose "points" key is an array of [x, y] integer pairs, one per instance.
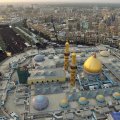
{"points": [[59, 60], [70, 1]]}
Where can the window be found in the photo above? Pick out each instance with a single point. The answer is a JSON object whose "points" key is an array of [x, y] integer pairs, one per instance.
{"points": [[52, 80]]}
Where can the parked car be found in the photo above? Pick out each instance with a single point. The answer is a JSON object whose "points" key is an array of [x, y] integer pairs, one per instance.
{"points": [[3, 118], [2, 103], [14, 116]]}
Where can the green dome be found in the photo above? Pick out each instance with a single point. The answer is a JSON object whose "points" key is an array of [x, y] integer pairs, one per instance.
{"points": [[100, 98]]}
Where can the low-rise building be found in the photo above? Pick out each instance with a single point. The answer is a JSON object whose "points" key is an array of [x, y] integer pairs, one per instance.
{"points": [[47, 75]]}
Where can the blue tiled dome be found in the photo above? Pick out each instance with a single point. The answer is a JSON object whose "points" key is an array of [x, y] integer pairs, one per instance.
{"points": [[39, 58], [40, 102]]}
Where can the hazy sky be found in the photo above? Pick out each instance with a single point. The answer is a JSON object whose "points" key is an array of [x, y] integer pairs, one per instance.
{"points": [[113, 1]]}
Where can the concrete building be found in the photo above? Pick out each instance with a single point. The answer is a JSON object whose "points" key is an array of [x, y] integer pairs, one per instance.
{"points": [[114, 116], [72, 24], [52, 75]]}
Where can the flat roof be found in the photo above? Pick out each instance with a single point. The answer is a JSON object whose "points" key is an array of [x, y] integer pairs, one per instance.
{"points": [[47, 73], [54, 101], [3, 84], [115, 115]]}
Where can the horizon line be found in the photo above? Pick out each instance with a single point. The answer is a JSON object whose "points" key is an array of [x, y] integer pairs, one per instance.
{"points": [[59, 2]]}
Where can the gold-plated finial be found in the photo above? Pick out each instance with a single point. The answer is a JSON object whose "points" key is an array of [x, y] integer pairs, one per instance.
{"points": [[74, 58], [67, 47], [94, 55], [66, 55]]}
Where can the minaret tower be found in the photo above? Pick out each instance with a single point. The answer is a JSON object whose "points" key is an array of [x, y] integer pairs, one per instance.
{"points": [[66, 56], [73, 70]]}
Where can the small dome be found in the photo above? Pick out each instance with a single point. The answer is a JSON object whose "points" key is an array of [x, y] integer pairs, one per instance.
{"points": [[104, 53], [50, 56], [59, 63], [100, 98], [83, 101], [39, 58], [92, 65], [64, 103], [61, 56], [40, 102], [116, 95]]}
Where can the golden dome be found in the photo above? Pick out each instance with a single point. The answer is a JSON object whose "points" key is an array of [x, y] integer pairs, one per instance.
{"points": [[92, 65], [83, 101], [116, 94], [64, 102]]}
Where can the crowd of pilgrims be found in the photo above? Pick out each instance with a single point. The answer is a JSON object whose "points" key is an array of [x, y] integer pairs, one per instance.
{"points": [[13, 41]]}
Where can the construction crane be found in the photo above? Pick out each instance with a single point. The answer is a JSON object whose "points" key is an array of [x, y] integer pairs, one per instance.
{"points": [[52, 21]]}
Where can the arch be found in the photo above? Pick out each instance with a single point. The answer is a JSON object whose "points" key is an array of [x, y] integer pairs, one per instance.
{"points": [[52, 80]]}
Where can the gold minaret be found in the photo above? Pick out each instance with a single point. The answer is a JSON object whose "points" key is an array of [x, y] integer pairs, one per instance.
{"points": [[66, 56], [73, 70]]}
